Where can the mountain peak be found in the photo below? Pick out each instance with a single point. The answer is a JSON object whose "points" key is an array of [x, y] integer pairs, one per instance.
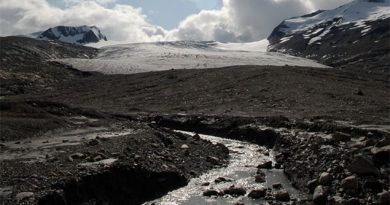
{"points": [[73, 34]]}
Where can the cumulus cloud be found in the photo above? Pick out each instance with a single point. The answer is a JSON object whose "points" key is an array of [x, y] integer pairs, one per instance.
{"points": [[120, 23], [245, 20], [236, 21]]}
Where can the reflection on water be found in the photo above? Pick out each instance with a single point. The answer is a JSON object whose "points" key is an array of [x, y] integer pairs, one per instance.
{"points": [[242, 167]]}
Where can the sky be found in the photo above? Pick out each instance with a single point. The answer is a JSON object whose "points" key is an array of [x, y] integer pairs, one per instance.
{"points": [[158, 20]]}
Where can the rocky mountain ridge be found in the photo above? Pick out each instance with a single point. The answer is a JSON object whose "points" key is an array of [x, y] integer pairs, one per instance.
{"points": [[354, 35]]}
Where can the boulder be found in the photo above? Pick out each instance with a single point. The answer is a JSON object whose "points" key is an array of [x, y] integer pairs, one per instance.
{"points": [[257, 193]]}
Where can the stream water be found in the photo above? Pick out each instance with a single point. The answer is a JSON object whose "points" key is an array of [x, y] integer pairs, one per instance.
{"points": [[242, 167]]}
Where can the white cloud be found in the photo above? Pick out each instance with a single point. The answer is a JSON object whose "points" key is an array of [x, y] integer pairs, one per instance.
{"points": [[119, 23], [237, 20], [245, 20]]}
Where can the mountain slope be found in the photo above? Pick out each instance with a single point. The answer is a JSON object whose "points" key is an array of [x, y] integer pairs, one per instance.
{"points": [[69, 34], [353, 35], [145, 57]]}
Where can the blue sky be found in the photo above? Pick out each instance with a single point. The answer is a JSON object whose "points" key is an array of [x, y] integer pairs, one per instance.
{"points": [[165, 13]]}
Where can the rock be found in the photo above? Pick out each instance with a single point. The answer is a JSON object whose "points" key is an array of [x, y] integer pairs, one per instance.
{"points": [[277, 186], [282, 196], [196, 137], [260, 178], [265, 165], [278, 166], [341, 137], [384, 198], [325, 178], [352, 201], [350, 183], [184, 146], [23, 195], [337, 200], [205, 184], [213, 160], [312, 184], [93, 142], [210, 192], [222, 179], [363, 166], [381, 155], [319, 196], [359, 92], [234, 191], [77, 156], [257, 193]]}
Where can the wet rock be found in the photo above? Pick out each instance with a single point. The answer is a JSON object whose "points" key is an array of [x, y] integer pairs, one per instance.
{"points": [[196, 137], [341, 137], [381, 155], [363, 166], [23, 196], [213, 160], [184, 146], [257, 193], [222, 179], [325, 178], [384, 198], [282, 196], [319, 195], [211, 192], [260, 178], [93, 142], [312, 184], [350, 183], [337, 200], [234, 191], [265, 165], [353, 201], [277, 186], [77, 156]]}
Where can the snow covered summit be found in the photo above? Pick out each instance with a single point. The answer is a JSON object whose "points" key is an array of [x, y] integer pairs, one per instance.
{"points": [[69, 34], [332, 36]]}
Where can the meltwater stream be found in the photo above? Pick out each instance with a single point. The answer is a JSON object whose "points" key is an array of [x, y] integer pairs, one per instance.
{"points": [[242, 167]]}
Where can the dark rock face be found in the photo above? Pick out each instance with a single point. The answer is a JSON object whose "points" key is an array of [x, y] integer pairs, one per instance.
{"points": [[337, 38], [78, 35]]}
